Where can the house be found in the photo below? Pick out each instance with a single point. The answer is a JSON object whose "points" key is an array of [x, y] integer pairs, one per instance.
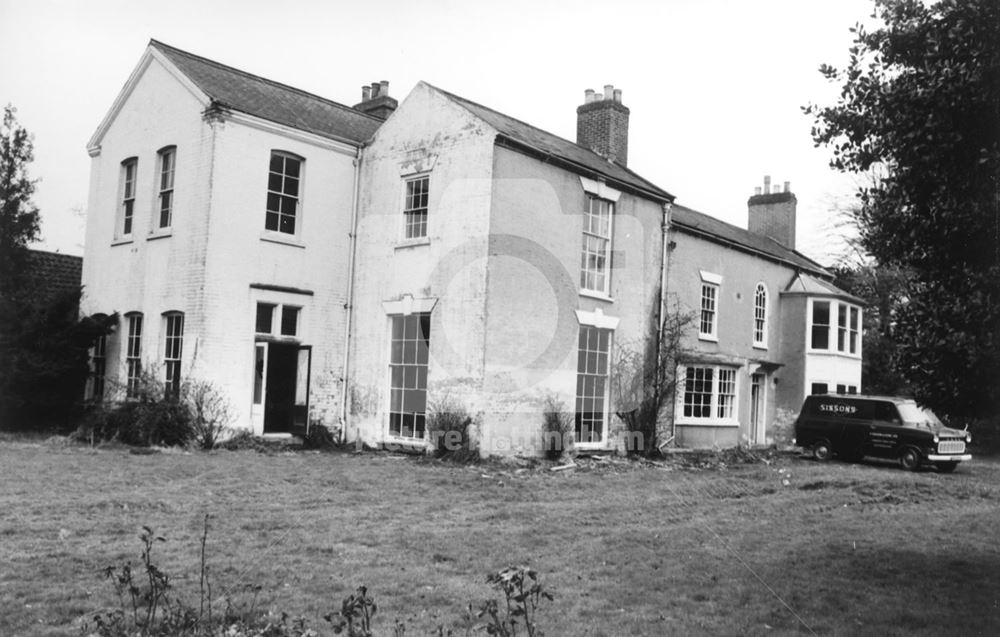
{"points": [[362, 267], [219, 221]]}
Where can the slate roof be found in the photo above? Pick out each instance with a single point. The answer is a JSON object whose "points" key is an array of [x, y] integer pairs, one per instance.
{"points": [[552, 145], [253, 95], [703, 224], [805, 284], [55, 272]]}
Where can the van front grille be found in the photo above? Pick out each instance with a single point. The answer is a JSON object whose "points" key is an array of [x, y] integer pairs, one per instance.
{"points": [[951, 446]]}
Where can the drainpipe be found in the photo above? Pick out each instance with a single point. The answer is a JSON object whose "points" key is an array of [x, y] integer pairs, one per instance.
{"points": [[349, 305]]}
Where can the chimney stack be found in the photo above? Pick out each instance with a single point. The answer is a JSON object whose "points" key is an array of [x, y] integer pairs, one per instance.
{"points": [[602, 124], [772, 214], [375, 100]]}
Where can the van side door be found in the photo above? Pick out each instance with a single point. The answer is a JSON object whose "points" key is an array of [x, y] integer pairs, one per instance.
{"points": [[886, 427]]}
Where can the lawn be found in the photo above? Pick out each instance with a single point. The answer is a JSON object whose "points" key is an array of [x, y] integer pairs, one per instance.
{"points": [[793, 547]]}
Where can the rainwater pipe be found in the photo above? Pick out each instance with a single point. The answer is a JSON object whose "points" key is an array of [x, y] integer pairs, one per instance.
{"points": [[349, 303]]}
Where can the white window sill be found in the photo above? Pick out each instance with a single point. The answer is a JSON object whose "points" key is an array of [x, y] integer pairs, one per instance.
{"points": [[163, 234], [760, 346], [707, 423], [122, 241], [600, 296], [412, 243], [826, 352], [283, 239], [708, 337]]}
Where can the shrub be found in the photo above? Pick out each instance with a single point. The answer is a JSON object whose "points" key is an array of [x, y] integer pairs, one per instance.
{"points": [[211, 412], [199, 414], [449, 427], [557, 429], [320, 437]]}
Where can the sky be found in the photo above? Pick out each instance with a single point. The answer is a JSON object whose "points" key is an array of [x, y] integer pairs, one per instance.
{"points": [[715, 87]]}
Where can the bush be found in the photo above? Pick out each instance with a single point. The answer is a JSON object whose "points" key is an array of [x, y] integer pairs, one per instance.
{"points": [[199, 414], [449, 427], [557, 429]]}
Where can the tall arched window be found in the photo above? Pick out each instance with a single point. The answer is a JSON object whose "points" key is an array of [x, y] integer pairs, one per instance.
{"points": [[760, 316]]}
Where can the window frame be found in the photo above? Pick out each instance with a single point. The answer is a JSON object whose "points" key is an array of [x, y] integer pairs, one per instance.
{"points": [[587, 255], [133, 355], [125, 219], [98, 368], [711, 310], [166, 168], [276, 320], [593, 385], [411, 211], [408, 366], [760, 316], [173, 350], [722, 409], [842, 330], [279, 214]]}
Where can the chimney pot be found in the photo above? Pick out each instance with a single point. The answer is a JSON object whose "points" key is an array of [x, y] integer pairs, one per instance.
{"points": [[767, 184], [384, 88], [374, 90], [618, 95], [588, 96], [366, 93], [609, 91], [756, 190], [788, 186]]}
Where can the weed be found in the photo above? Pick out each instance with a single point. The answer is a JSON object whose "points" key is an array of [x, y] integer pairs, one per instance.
{"points": [[449, 426], [521, 600], [557, 428]]}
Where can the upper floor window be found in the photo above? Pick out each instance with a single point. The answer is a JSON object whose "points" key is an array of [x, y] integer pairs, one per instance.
{"points": [[167, 157], [708, 319], [835, 326], [596, 255], [415, 207], [760, 316], [173, 342], [284, 182], [133, 355], [127, 208]]}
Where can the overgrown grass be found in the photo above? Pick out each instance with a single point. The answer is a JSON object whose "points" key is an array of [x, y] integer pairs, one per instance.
{"points": [[787, 548]]}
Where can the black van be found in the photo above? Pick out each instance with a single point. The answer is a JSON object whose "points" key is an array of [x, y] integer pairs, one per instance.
{"points": [[855, 426]]}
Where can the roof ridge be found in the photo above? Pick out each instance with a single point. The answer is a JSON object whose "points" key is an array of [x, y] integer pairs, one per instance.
{"points": [[261, 78]]}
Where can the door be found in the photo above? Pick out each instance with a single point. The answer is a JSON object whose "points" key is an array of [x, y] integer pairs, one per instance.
{"points": [[286, 387], [757, 427]]}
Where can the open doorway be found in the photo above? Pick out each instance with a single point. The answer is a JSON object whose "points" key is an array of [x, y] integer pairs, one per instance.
{"points": [[281, 386]]}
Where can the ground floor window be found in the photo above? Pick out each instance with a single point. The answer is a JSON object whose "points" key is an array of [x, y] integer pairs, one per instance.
{"points": [[173, 345], [592, 384], [98, 363], [133, 356], [709, 393], [408, 358]]}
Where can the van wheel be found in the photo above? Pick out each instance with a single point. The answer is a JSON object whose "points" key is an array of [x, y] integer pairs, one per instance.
{"points": [[946, 467], [822, 451], [910, 459]]}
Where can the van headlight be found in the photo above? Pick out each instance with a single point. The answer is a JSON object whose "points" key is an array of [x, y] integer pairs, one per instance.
{"points": [[937, 439]]}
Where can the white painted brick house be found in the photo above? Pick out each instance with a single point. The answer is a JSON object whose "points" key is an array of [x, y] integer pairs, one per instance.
{"points": [[323, 266]]}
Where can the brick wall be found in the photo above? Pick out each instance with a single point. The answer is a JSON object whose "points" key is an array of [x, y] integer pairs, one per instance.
{"points": [[602, 126]]}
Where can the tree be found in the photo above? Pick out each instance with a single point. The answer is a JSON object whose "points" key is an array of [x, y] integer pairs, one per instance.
{"points": [[644, 379], [920, 108], [19, 219]]}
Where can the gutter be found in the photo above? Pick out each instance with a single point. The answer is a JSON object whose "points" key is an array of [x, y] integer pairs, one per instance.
{"points": [[349, 303]]}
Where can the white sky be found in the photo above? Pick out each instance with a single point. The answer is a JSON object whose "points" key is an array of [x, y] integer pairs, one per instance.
{"points": [[715, 86]]}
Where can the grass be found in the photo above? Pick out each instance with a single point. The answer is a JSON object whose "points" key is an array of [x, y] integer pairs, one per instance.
{"points": [[789, 548]]}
